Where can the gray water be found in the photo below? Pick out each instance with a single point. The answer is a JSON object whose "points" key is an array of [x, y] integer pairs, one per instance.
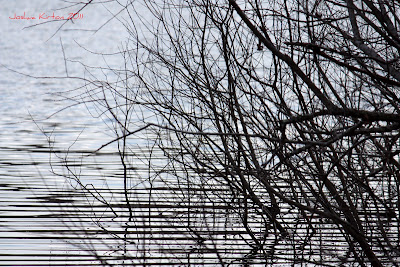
{"points": [[36, 127]]}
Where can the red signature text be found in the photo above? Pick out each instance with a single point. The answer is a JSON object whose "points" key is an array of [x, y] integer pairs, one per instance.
{"points": [[47, 16]]}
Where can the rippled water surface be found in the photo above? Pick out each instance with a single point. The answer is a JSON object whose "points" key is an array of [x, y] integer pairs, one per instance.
{"points": [[35, 200]]}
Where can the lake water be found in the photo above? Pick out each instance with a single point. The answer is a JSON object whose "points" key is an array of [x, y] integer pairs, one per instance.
{"points": [[39, 227]]}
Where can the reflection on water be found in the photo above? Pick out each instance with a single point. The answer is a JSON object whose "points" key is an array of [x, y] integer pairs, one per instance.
{"points": [[39, 225]]}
